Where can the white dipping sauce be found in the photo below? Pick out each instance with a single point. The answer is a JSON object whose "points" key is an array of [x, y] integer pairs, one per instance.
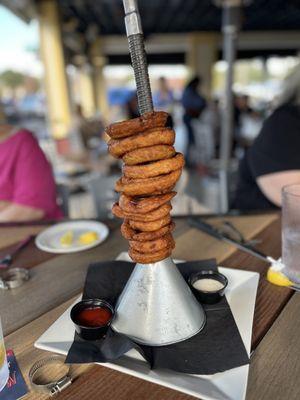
{"points": [[208, 285]]}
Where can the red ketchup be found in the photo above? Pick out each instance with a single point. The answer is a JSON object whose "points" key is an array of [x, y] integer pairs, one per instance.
{"points": [[94, 316]]}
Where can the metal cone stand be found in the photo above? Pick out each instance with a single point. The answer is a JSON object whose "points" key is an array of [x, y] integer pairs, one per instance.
{"points": [[156, 306]]}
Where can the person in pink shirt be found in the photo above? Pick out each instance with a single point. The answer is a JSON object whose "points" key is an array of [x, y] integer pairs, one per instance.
{"points": [[27, 187]]}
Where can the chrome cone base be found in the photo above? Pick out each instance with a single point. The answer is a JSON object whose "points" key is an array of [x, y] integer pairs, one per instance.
{"points": [[157, 307]]}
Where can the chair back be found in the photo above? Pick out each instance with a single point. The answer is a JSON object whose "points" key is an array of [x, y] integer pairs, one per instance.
{"points": [[63, 196], [102, 189]]}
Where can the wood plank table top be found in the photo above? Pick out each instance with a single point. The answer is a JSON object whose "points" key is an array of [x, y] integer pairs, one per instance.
{"points": [[28, 311]]}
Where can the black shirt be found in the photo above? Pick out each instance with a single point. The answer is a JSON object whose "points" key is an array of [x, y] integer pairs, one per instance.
{"points": [[276, 149]]}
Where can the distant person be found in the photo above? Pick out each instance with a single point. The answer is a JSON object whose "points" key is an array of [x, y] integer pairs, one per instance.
{"points": [[132, 106], [248, 122], [85, 138], [273, 161], [163, 99], [27, 187], [83, 131], [193, 103], [241, 107]]}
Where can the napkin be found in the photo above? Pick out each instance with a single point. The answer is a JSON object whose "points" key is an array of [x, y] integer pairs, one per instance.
{"points": [[217, 348], [16, 387]]}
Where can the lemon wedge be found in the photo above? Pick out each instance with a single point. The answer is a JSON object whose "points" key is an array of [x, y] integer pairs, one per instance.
{"points": [[67, 238], [88, 237], [278, 278]]}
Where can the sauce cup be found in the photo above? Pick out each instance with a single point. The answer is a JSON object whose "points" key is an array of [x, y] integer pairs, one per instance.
{"points": [[205, 292], [84, 315]]}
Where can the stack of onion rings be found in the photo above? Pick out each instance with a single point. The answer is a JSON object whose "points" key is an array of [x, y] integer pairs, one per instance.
{"points": [[150, 172]]}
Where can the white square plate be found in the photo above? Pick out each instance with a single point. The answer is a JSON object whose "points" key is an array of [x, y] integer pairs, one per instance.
{"points": [[228, 385]]}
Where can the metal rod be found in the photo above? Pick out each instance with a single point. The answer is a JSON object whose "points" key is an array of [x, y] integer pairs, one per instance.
{"points": [[231, 19], [138, 55]]}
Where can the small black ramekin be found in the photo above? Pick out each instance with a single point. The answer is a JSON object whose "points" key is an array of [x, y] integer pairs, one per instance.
{"points": [[88, 332], [208, 297]]}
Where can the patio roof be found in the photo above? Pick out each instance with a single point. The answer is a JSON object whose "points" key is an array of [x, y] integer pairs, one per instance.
{"points": [[170, 16], [83, 20]]}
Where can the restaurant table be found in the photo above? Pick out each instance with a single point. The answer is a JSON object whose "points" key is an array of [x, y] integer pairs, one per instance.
{"points": [[56, 281]]}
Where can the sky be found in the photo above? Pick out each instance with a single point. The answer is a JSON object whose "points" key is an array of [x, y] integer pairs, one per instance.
{"points": [[16, 40]]}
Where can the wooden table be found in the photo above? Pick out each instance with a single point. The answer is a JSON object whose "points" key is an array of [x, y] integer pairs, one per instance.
{"points": [[57, 279]]}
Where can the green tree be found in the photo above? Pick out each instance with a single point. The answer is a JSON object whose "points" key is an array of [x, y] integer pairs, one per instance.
{"points": [[11, 79]]}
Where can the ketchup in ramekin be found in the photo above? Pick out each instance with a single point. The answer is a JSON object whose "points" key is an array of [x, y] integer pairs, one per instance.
{"points": [[92, 318]]}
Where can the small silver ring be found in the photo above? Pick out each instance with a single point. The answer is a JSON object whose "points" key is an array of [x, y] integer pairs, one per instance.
{"points": [[51, 388], [13, 278]]}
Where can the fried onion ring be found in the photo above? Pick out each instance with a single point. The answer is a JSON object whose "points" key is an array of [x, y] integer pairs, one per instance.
{"points": [[150, 172], [147, 154], [149, 258], [138, 187], [143, 205], [151, 246], [150, 216], [137, 125], [160, 192], [119, 147], [150, 226], [127, 232], [131, 234], [157, 168]]}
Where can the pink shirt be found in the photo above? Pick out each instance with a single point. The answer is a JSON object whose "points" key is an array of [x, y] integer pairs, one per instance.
{"points": [[26, 176]]}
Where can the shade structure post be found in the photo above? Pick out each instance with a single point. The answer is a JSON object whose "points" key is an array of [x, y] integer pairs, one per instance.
{"points": [[230, 27], [201, 55], [98, 62], [86, 88], [56, 84]]}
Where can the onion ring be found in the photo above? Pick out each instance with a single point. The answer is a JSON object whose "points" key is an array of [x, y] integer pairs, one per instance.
{"points": [[163, 242], [149, 258], [167, 190], [147, 154], [150, 216], [143, 205], [152, 168], [127, 232], [157, 168], [138, 187], [131, 234], [150, 226], [118, 147], [137, 125]]}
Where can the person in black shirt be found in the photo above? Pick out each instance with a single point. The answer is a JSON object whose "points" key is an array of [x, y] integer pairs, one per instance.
{"points": [[193, 104], [272, 162]]}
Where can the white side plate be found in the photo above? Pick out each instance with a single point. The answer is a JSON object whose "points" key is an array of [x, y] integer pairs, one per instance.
{"points": [[228, 385], [49, 239]]}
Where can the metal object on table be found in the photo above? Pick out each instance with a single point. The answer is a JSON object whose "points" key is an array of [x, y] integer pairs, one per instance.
{"points": [[156, 306], [55, 387], [227, 226], [14, 278], [7, 260], [218, 234]]}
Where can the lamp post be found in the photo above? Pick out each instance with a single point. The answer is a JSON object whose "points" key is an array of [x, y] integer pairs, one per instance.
{"points": [[231, 21]]}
